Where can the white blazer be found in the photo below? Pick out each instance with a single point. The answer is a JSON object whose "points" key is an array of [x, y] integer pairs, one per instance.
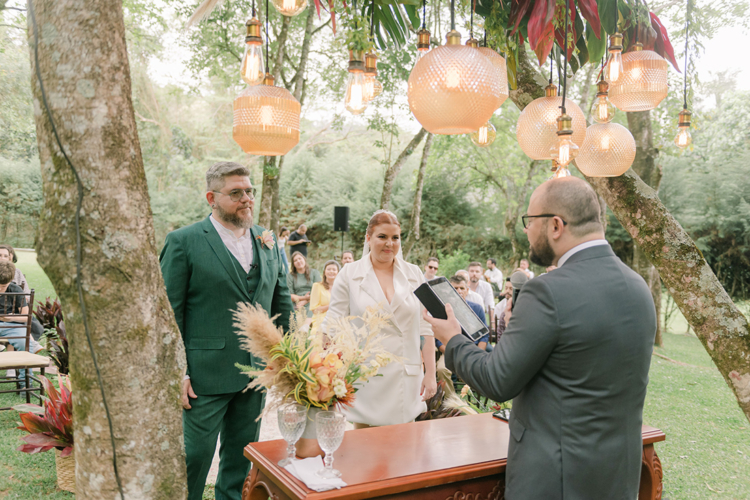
{"points": [[392, 398]]}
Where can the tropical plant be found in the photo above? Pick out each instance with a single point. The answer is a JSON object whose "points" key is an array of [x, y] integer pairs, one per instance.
{"points": [[50, 316], [51, 425], [320, 369]]}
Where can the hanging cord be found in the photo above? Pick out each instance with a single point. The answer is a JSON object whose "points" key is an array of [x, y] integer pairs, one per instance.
{"points": [[372, 20], [453, 15], [79, 284], [551, 65], [687, 27], [424, 12], [637, 24], [267, 39], [565, 68], [471, 22], [254, 8]]}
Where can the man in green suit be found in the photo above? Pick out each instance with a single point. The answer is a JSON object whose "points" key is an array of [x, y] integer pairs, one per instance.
{"points": [[209, 267], [574, 357]]}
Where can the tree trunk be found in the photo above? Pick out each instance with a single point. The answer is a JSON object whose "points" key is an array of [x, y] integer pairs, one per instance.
{"points": [[645, 166], [416, 210], [719, 324], [392, 172], [83, 64]]}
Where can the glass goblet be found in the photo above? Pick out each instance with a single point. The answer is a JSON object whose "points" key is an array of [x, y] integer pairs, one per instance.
{"points": [[330, 427], [292, 419]]}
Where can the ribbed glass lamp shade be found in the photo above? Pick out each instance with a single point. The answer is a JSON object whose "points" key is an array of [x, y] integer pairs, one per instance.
{"points": [[289, 8], [644, 82], [498, 62], [537, 126], [266, 120], [608, 151], [453, 89]]}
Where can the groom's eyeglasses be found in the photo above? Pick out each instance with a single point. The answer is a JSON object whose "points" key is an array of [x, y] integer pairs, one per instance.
{"points": [[236, 194], [525, 219]]}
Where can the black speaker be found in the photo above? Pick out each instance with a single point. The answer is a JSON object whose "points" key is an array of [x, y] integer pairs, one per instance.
{"points": [[341, 219]]}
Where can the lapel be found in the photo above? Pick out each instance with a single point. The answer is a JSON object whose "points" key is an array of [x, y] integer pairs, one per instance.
{"points": [[369, 284], [403, 287], [222, 253]]}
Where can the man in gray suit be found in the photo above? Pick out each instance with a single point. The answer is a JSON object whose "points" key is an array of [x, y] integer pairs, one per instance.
{"points": [[574, 358]]}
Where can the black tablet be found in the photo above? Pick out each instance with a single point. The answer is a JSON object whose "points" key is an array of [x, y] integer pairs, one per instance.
{"points": [[434, 294]]}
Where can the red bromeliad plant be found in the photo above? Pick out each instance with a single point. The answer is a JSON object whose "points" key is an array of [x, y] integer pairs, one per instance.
{"points": [[49, 426]]}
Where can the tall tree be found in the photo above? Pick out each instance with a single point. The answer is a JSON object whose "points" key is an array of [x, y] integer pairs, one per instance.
{"points": [[96, 244], [392, 171], [416, 210]]}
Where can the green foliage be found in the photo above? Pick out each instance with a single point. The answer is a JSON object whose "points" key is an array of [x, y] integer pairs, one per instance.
{"points": [[17, 129], [456, 261], [20, 200], [356, 33]]}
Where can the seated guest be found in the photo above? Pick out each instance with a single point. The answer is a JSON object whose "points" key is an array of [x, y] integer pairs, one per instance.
{"points": [[478, 285], [8, 254], [13, 326], [506, 296], [525, 268], [462, 287], [493, 274], [431, 268], [300, 281], [574, 360], [347, 257], [473, 296], [320, 296]]}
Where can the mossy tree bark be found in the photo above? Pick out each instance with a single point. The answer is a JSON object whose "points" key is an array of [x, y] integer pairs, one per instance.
{"points": [[392, 171], [416, 209], [719, 324], [83, 64]]}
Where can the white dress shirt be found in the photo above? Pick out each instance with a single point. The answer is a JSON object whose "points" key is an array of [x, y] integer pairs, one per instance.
{"points": [[578, 248], [484, 289], [475, 297], [241, 248], [495, 276]]}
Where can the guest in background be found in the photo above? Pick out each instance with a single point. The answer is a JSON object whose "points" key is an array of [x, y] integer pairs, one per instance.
{"points": [[347, 257], [300, 281], [283, 236], [473, 296], [525, 268], [8, 254], [493, 274], [298, 241], [383, 278], [320, 296], [478, 285], [501, 307], [431, 268], [462, 287]]}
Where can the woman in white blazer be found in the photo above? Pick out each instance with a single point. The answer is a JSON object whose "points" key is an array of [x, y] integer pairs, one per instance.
{"points": [[383, 277]]}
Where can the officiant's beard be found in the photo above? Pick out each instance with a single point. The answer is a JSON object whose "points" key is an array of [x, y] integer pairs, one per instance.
{"points": [[234, 219], [541, 253]]}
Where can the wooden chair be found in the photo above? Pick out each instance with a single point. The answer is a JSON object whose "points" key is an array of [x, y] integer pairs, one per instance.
{"points": [[21, 360]]}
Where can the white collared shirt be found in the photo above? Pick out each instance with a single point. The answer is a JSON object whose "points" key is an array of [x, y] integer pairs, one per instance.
{"points": [[241, 248], [494, 276], [578, 248]]}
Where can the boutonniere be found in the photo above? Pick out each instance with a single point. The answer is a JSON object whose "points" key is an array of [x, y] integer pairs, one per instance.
{"points": [[266, 238]]}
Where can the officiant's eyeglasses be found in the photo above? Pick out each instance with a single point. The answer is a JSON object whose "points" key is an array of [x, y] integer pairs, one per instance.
{"points": [[236, 194], [525, 219]]}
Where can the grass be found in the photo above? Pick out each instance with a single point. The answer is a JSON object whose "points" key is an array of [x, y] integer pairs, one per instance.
{"points": [[35, 276], [706, 454]]}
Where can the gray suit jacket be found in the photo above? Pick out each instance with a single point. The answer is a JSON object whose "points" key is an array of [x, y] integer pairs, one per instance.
{"points": [[575, 359]]}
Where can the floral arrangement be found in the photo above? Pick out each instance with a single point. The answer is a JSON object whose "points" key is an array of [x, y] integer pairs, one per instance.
{"points": [[266, 238], [315, 370], [50, 426]]}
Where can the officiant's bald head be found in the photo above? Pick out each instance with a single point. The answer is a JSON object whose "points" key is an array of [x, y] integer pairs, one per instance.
{"points": [[562, 213]]}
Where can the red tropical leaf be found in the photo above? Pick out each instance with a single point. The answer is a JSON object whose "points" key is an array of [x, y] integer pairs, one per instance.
{"points": [[30, 448], [560, 33], [333, 15], [540, 17], [546, 42], [590, 12], [43, 440], [33, 423], [66, 452], [663, 46], [317, 7], [518, 9]]}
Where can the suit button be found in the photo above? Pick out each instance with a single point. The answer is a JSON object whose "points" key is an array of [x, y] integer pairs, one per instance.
{"points": [[250, 291]]}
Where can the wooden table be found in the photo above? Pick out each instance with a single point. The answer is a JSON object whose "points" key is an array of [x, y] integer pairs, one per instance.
{"points": [[457, 458]]}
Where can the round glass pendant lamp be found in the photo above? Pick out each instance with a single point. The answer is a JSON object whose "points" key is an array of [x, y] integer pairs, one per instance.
{"points": [[537, 126], [266, 119], [608, 151], [498, 62], [289, 8], [453, 88], [643, 84]]}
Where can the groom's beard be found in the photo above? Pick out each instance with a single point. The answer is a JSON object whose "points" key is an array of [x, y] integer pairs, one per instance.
{"points": [[542, 254], [235, 219]]}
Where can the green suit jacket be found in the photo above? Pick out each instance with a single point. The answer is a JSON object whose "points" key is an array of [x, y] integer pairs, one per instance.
{"points": [[575, 357], [205, 284]]}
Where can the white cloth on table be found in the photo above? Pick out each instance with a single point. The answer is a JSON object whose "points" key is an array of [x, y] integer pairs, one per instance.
{"points": [[305, 470]]}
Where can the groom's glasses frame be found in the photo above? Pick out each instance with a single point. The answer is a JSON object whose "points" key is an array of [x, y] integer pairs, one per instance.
{"points": [[525, 219], [236, 194]]}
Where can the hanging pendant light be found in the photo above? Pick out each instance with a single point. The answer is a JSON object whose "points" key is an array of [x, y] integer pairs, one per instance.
{"points": [[602, 110], [266, 118], [289, 8], [452, 89], [536, 130], [252, 68], [373, 87], [614, 64], [423, 36], [501, 72], [355, 100], [564, 150], [684, 139], [558, 171], [643, 84], [484, 136]]}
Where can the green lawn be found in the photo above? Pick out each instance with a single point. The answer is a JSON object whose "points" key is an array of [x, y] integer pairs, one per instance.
{"points": [[706, 454], [35, 276]]}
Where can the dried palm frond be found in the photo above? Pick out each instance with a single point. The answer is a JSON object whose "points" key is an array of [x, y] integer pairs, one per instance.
{"points": [[203, 11], [259, 335]]}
